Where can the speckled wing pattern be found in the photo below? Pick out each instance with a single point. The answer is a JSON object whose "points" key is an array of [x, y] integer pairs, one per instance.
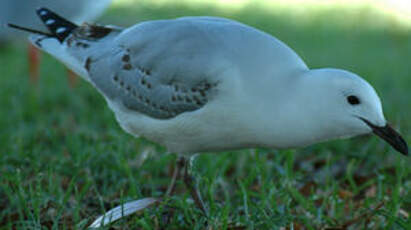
{"points": [[158, 76]]}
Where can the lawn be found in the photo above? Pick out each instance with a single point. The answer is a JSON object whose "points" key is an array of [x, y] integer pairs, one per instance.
{"points": [[64, 160]]}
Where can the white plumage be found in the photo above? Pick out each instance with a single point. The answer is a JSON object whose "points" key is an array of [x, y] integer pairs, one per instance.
{"points": [[200, 84]]}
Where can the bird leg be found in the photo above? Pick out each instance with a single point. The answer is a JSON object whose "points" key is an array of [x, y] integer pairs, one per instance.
{"points": [[192, 185], [72, 78], [179, 164], [34, 62], [189, 181]]}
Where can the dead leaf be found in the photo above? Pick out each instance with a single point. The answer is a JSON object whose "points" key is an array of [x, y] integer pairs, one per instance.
{"points": [[307, 189], [319, 164], [371, 192], [361, 179], [296, 226], [345, 194]]}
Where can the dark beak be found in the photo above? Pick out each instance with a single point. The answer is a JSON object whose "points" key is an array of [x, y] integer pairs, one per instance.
{"points": [[389, 135]]}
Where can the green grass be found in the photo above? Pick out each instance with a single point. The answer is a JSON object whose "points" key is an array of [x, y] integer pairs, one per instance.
{"points": [[64, 160]]}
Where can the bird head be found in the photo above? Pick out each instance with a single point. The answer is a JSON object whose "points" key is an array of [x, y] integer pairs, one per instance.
{"points": [[350, 106]]}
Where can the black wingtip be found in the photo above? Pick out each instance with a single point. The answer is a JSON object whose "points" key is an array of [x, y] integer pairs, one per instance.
{"points": [[60, 27]]}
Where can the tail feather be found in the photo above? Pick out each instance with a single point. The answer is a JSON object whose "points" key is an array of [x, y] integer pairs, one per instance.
{"points": [[58, 26]]}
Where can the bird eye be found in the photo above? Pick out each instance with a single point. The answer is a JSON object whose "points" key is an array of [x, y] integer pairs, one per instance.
{"points": [[353, 100]]}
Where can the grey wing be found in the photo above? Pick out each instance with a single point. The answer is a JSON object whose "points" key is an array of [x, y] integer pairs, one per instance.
{"points": [[163, 68], [145, 89]]}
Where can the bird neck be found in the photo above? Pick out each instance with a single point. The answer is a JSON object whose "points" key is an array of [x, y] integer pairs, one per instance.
{"points": [[300, 118]]}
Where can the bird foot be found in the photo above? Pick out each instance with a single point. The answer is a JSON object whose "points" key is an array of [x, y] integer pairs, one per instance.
{"points": [[131, 207]]}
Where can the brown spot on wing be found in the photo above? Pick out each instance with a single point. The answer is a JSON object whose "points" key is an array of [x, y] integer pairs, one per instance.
{"points": [[87, 64], [127, 66], [93, 31], [125, 58]]}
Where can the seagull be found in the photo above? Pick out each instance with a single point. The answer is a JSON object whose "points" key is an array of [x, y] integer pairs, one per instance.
{"points": [[23, 12], [201, 84]]}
